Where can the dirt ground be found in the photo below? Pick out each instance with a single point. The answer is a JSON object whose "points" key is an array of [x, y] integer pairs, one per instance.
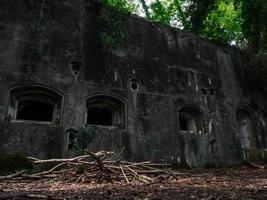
{"points": [[243, 183]]}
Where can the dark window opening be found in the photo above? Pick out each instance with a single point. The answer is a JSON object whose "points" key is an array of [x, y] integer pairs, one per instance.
{"points": [[191, 120], [99, 116], [34, 103], [76, 67], [213, 146], [105, 110], [134, 86], [204, 91], [183, 124], [34, 110]]}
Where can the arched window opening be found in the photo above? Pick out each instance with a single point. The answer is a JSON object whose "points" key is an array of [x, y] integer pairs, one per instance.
{"points": [[34, 103], [106, 111], [247, 129], [191, 120]]}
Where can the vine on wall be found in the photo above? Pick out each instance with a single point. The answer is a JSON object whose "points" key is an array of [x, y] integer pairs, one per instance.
{"points": [[79, 139], [31, 56], [114, 15]]}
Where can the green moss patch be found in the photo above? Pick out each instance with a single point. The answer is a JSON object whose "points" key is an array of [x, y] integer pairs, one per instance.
{"points": [[10, 163]]}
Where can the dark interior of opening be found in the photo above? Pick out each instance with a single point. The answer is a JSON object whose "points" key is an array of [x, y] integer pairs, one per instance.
{"points": [[99, 116], [183, 124], [211, 91], [213, 147], [35, 110], [204, 91], [134, 86]]}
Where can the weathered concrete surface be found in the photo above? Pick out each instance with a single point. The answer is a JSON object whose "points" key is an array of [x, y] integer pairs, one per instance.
{"points": [[173, 70], [34, 140]]}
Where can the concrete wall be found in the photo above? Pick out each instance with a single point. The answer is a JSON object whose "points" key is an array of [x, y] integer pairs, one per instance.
{"points": [[35, 140], [173, 70]]}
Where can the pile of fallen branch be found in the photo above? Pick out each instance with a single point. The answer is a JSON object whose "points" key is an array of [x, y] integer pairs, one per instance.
{"points": [[97, 167]]}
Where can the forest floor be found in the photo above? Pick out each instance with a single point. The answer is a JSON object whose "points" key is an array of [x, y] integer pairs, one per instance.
{"points": [[245, 183]]}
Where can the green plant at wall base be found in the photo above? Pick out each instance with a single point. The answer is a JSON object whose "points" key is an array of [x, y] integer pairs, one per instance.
{"points": [[79, 139], [114, 16]]}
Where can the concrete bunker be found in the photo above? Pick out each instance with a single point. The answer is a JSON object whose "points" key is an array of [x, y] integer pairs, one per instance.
{"points": [[105, 110], [191, 120], [34, 103]]}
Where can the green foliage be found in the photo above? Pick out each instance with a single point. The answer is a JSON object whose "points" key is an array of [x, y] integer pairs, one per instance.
{"points": [[119, 5], [197, 11], [80, 139], [161, 12], [114, 16], [254, 25], [223, 24], [170, 12], [241, 23], [9, 163], [188, 15]]}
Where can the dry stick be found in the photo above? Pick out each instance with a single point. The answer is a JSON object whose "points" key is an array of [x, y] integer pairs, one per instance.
{"points": [[101, 153], [133, 179], [86, 163], [137, 164], [51, 170], [98, 159], [98, 154], [135, 174], [124, 174], [37, 161], [112, 167], [147, 163], [12, 175], [140, 176], [134, 163], [62, 171], [79, 178], [257, 166], [156, 170], [32, 158], [118, 156], [219, 197]]}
